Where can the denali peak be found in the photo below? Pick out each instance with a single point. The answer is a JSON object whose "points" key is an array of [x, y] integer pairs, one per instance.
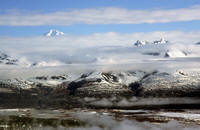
{"points": [[53, 33]]}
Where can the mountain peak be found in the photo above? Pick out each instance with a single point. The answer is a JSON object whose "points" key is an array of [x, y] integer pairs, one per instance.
{"points": [[141, 43], [53, 33], [161, 41], [5, 59]]}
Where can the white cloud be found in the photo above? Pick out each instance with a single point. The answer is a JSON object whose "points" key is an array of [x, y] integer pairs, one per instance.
{"points": [[48, 64], [70, 43], [107, 15], [99, 48]]}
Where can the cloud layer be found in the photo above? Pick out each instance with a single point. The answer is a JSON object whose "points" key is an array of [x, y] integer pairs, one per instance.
{"points": [[98, 47], [107, 15]]}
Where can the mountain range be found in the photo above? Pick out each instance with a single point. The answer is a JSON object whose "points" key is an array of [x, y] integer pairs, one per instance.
{"points": [[142, 43]]}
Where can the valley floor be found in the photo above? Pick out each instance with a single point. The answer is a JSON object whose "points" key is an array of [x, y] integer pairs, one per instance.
{"points": [[99, 119]]}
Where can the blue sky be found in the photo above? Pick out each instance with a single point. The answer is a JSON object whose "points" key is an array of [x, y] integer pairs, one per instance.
{"points": [[54, 5], [12, 9]]}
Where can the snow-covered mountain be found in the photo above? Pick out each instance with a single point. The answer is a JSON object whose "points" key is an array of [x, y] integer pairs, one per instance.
{"points": [[53, 33], [142, 43], [176, 53], [5, 59], [161, 41]]}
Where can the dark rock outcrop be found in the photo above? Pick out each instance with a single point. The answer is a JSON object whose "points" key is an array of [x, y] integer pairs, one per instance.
{"points": [[97, 89]]}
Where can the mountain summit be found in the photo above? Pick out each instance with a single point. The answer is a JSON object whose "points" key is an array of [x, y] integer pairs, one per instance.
{"points": [[161, 41], [142, 43], [53, 33]]}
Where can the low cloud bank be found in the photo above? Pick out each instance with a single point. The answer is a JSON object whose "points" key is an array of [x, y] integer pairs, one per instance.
{"points": [[100, 47]]}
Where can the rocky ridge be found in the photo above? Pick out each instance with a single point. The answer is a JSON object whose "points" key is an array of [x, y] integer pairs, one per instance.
{"points": [[95, 89], [142, 43]]}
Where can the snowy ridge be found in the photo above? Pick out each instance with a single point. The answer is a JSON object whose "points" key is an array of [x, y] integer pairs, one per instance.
{"points": [[176, 53], [5, 59], [161, 41], [53, 33], [142, 43]]}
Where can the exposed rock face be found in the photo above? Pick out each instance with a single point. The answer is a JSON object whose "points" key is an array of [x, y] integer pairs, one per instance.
{"points": [[5, 59], [161, 41], [142, 43], [93, 87], [175, 53], [109, 83], [164, 85]]}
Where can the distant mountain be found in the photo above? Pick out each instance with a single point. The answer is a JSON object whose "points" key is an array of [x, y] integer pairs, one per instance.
{"points": [[142, 43], [161, 41], [175, 53], [53, 33], [5, 59]]}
